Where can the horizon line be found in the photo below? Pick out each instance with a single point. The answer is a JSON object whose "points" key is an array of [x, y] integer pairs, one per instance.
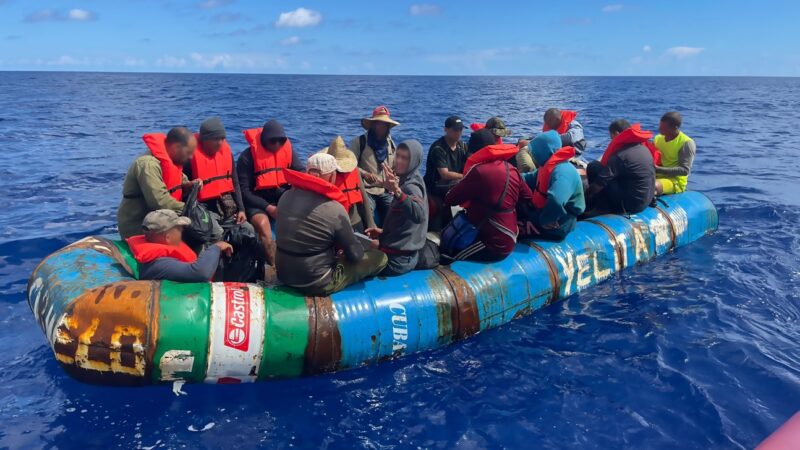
{"points": [[383, 75]]}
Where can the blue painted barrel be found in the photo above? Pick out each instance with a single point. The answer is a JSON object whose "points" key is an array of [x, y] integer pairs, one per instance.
{"points": [[422, 310]]}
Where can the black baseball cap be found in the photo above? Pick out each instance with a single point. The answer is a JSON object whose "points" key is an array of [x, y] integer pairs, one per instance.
{"points": [[454, 122]]}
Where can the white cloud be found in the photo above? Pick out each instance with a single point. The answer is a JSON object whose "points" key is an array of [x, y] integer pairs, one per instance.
{"points": [[80, 15], [647, 49], [171, 61], [482, 56], [684, 52], [288, 42], [234, 61], [612, 8], [425, 10], [133, 62], [64, 60], [299, 18], [75, 15], [211, 4]]}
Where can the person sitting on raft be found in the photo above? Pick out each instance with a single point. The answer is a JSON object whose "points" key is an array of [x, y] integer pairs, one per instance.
{"points": [[557, 190], [213, 163], [443, 169], [372, 149], [677, 155], [162, 254], [261, 169], [496, 126], [490, 192], [406, 225], [570, 130], [155, 180], [352, 186], [623, 181], [312, 227]]}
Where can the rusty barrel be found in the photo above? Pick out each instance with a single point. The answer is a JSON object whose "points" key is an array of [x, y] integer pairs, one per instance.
{"points": [[104, 326]]}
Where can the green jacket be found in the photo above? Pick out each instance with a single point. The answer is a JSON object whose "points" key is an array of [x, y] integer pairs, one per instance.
{"points": [[143, 191]]}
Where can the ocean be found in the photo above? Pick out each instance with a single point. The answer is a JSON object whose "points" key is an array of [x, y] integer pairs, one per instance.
{"points": [[697, 349]]}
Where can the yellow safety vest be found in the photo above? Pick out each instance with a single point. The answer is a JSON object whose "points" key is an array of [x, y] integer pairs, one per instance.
{"points": [[669, 155]]}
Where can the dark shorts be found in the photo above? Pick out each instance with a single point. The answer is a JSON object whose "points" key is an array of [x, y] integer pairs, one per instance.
{"points": [[252, 212]]}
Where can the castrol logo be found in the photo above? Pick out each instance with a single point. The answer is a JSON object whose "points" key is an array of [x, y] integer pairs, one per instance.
{"points": [[237, 317]]}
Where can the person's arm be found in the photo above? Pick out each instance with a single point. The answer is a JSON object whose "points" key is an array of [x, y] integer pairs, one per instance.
{"points": [[411, 200], [244, 168], [237, 188], [525, 161], [467, 189], [344, 237], [297, 163], [573, 135], [607, 174], [440, 163], [154, 191], [175, 270], [365, 208], [685, 161]]}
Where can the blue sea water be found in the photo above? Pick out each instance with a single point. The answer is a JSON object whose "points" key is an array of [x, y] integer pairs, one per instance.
{"points": [[697, 349]]}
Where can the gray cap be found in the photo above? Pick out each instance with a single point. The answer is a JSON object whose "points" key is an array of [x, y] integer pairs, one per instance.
{"points": [[163, 220], [212, 128]]}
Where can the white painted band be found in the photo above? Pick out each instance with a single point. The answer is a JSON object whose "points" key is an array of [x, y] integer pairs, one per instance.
{"points": [[236, 341]]}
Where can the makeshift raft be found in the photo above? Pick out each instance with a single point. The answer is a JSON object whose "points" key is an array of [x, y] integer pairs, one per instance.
{"points": [[106, 327]]}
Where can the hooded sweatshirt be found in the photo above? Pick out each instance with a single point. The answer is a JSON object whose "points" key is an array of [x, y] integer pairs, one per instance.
{"points": [[406, 224], [565, 201]]}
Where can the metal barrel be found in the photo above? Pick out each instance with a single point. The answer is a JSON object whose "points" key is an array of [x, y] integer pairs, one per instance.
{"points": [[106, 327]]}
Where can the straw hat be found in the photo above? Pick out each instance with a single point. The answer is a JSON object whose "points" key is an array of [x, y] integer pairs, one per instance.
{"points": [[379, 114], [344, 157]]}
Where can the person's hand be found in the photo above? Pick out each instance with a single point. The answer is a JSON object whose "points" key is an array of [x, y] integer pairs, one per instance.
{"points": [[523, 143], [225, 248], [390, 181], [375, 244], [198, 182], [241, 217], [373, 232], [370, 178], [272, 211]]}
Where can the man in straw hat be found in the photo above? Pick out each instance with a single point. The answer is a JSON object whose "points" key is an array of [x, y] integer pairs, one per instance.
{"points": [[372, 149], [348, 179], [312, 223]]}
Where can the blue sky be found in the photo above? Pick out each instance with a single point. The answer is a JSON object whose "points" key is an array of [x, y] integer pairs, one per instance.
{"points": [[579, 37]]}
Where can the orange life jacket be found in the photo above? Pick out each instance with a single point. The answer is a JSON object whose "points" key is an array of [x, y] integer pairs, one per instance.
{"points": [[270, 167], [628, 137], [215, 171], [306, 182], [145, 252], [566, 118], [171, 172], [349, 183], [564, 154], [491, 153]]}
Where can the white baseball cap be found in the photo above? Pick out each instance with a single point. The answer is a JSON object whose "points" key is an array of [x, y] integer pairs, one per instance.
{"points": [[323, 163]]}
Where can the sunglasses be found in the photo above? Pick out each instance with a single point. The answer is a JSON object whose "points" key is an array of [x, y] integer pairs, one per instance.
{"points": [[277, 140]]}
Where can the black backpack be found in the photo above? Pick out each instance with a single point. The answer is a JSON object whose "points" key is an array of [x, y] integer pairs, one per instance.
{"points": [[247, 263], [202, 227]]}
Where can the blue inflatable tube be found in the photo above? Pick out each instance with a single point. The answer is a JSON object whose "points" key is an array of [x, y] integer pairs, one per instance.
{"points": [[104, 326]]}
